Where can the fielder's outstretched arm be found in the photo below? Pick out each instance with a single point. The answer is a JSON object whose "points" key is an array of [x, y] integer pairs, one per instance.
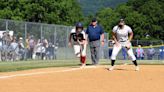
{"points": [[114, 37], [130, 36]]}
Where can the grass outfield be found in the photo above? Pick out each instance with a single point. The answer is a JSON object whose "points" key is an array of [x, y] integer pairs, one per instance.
{"points": [[25, 65]]}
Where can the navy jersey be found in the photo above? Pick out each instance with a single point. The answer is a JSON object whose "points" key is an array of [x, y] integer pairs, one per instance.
{"points": [[94, 33]]}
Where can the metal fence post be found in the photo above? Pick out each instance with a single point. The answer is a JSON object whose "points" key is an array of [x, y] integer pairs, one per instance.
{"points": [[66, 42], [26, 49], [41, 30], [55, 36], [55, 50], [6, 25], [41, 39]]}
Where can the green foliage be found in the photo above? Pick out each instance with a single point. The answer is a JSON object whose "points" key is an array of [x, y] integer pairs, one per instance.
{"points": [[90, 7], [146, 17], [65, 12]]}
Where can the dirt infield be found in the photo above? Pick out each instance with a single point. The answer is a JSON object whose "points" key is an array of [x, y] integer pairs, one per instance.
{"points": [[124, 79]]}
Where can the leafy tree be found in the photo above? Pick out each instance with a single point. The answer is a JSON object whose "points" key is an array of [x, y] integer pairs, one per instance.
{"points": [[146, 17], [91, 7], [65, 12], [108, 18]]}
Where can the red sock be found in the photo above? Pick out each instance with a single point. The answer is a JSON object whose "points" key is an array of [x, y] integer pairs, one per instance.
{"points": [[83, 60]]}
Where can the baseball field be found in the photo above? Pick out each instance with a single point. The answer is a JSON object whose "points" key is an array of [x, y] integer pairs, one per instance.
{"points": [[66, 76]]}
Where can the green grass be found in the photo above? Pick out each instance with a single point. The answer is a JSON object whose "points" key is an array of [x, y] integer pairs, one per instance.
{"points": [[25, 65]]}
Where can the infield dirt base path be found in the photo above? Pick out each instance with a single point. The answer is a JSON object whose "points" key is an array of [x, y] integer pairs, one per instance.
{"points": [[99, 79]]}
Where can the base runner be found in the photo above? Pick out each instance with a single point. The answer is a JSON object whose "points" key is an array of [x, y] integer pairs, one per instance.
{"points": [[79, 43], [122, 35]]}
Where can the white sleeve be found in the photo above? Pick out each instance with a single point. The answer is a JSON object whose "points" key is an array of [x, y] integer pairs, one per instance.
{"points": [[115, 29], [73, 30], [84, 35], [129, 30]]}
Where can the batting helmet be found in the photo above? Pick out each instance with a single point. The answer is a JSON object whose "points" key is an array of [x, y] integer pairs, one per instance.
{"points": [[79, 25]]}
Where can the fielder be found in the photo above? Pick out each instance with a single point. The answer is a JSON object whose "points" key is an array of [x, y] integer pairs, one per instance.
{"points": [[79, 43], [122, 35]]}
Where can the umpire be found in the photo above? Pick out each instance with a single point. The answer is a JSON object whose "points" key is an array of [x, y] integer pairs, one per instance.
{"points": [[95, 35]]}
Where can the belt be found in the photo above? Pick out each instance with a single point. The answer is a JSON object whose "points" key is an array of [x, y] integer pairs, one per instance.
{"points": [[94, 40], [123, 41]]}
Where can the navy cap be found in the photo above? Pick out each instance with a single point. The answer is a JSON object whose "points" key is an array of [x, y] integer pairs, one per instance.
{"points": [[94, 20]]}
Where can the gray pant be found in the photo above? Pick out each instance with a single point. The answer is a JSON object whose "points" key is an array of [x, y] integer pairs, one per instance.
{"points": [[95, 51]]}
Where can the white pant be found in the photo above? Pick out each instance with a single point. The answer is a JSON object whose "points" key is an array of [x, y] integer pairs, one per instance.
{"points": [[80, 50], [116, 50]]}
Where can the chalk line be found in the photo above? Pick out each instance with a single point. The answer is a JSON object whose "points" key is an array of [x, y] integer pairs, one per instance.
{"points": [[40, 73]]}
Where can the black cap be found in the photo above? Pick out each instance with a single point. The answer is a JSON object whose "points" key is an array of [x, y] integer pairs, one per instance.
{"points": [[94, 20], [121, 20]]}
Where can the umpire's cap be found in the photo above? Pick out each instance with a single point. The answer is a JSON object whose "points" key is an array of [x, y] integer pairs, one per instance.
{"points": [[94, 20], [79, 25]]}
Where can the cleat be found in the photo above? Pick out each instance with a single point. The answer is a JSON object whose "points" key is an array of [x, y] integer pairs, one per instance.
{"points": [[111, 68], [137, 68], [82, 66]]}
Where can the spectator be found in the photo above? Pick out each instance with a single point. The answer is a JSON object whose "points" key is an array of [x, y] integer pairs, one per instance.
{"points": [[150, 53], [21, 48], [6, 38], [124, 54], [161, 53], [140, 53], [45, 43], [27, 47], [13, 50], [50, 52], [40, 50], [31, 46]]}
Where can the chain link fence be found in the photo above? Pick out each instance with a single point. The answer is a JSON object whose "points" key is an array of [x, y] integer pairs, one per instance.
{"points": [[55, 36], [55, 39]]}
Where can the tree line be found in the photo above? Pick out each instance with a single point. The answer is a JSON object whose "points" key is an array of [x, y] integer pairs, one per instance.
{"points": [[63, 12], [90, 7], [146, 17]]}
